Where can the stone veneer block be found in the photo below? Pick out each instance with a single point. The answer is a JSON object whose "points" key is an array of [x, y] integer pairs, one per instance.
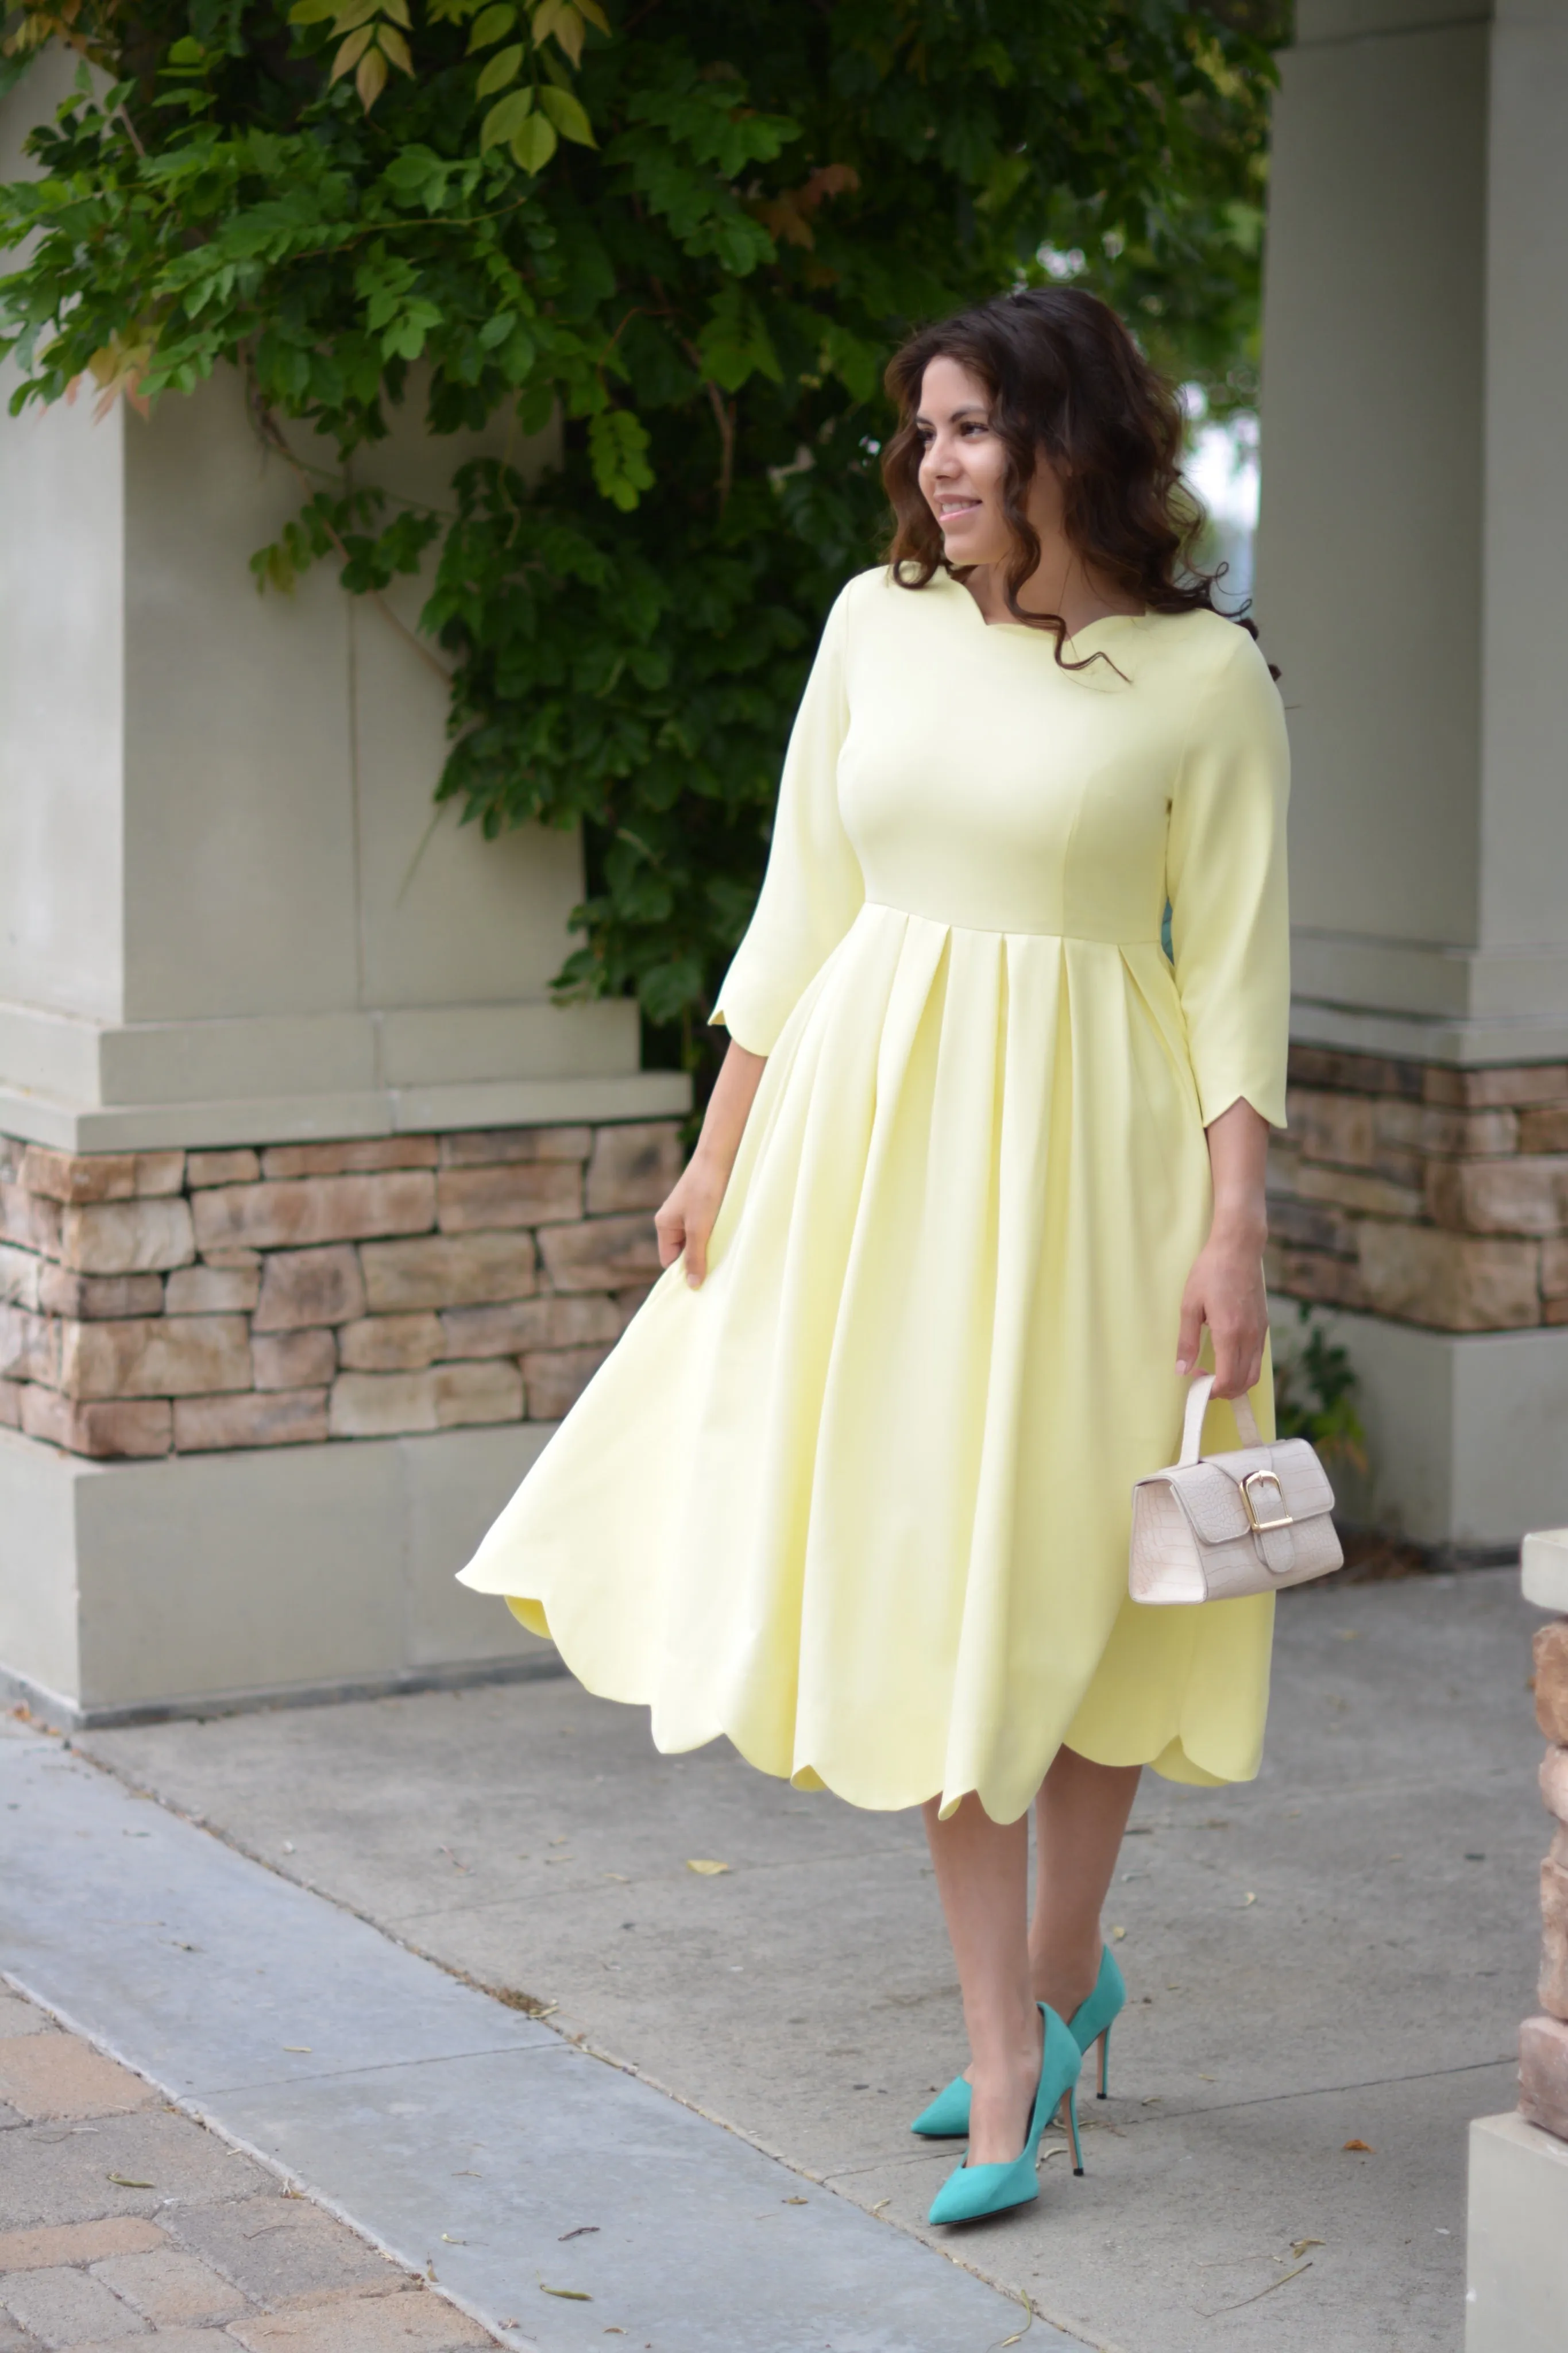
{"points": [[482, 1147], [1554, 1783], [127, 1237], [30, 1347], [1543, 2074], [449, 1271], [294, 1360], [1553, 1989], [388, 1405], [633, 1167], [241, 1167], [116, 1426], [584, 1319], [283, 1418], [20, 1272], [1359, 1189], [170, 1356], [361, 1156], [90, 1298], [1483, 1089], [30, 1220], [1448, 1282], [555, 1379], [521, 1193], [309, 1286], [11, 1395], [400, 1344], [1520, 1196], [1543, 1131], [1550, 1657], [213, 1290], [101, 1175], [602, 1255], [281, 1215]]}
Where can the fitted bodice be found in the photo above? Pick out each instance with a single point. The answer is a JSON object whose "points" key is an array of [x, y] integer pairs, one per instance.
{"points": [[984, 785]]}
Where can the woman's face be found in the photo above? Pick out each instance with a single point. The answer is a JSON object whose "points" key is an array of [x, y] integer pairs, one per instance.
{"points": [[963, 464]]}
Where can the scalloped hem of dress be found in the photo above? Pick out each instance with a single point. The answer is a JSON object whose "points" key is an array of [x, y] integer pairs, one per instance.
{"points": [[1172, 1763]]}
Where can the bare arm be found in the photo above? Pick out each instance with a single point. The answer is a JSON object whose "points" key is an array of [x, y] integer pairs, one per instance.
{"points": [[686, 1220], [1225, 1288]]}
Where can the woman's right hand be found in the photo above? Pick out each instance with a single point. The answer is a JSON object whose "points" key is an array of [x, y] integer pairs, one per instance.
{"points": [[686, 1220]]}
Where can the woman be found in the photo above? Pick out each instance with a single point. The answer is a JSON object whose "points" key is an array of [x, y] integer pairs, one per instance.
{"points": [[981, 1164]]}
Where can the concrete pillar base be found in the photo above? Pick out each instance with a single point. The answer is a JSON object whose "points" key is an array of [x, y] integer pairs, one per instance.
{"points": [[202, 1582], [1464, 1432], [1517, 2278]]}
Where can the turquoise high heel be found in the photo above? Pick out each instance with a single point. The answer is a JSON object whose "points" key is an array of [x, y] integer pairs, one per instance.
{"points": [[974, 2191], [947, 2118]]}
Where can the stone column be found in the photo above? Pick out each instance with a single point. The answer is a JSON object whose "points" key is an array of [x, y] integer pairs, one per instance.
{"points": [[315, 1210], [1517, 2236], [1412, 588]]}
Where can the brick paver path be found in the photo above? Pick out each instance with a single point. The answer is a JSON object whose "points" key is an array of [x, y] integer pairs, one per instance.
{"points": [[124, 2223]]}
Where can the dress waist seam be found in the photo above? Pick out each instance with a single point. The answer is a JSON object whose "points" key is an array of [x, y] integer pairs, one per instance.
{"points": [[1016, 931]]}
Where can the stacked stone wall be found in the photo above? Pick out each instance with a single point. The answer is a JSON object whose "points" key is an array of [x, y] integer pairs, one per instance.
{"points": [[1544, 2041], [153, 1303], [1422, 1193]]}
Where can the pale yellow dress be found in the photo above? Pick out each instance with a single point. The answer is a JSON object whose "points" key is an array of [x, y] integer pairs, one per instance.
{"points": [[861, 1502]]}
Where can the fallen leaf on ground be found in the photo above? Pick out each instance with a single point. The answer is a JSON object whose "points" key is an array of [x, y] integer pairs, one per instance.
{"points": [[453, 2242], [1365, 2145], [880, 2204], [709, 1869], [567, 2294], [583, 2231], [559, 1857], [300, 2049], [1019, 2335], [1117, 1934], [797, 2201], [613, 1875], [1299, 2246], [1247, 1900], [1262, 2292], [124, 2182], [1151, 2101]]}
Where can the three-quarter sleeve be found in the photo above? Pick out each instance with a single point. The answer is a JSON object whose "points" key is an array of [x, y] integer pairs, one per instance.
{"points": [[1230, 930], [813, 889]]}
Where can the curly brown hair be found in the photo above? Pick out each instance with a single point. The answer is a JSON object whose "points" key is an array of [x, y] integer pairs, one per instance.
{"points": [[1065, 376]]}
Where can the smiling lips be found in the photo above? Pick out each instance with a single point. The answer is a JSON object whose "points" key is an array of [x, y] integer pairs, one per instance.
{"points": [[949, 510]]}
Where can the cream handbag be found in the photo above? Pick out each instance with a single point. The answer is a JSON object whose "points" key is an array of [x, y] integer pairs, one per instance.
{"points": [[1215, 1526]]}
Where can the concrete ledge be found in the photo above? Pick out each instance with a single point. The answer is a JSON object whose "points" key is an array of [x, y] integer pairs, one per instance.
{"points": [[1421, 1038], [201, 1583], [1517, 2281], [72, 1126]]}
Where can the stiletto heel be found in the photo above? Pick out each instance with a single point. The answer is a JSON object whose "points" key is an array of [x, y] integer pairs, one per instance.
{"points": [[947, 2118], [974, 2191], [1104, 2091]]}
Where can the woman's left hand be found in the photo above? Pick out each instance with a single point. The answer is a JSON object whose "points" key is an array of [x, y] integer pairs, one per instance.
{"points": [[1225, 1288]]}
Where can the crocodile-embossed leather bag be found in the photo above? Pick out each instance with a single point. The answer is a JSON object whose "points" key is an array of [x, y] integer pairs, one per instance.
{"points": [[1215, 1526]]}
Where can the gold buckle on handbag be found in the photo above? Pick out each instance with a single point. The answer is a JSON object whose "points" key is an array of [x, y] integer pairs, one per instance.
{"points": [[1261, 1479]]}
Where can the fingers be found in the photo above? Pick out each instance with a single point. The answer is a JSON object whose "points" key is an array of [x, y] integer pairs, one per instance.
{"points": [[696, 1255], [669, 1226], [1189, 1336]]}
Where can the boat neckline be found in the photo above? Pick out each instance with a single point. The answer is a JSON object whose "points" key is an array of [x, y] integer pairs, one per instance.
{"points": [[1073, 638]]}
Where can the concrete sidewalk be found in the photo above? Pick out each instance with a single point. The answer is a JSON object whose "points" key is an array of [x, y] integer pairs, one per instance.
{"points": [[546, 2193], [1340, 1952]]}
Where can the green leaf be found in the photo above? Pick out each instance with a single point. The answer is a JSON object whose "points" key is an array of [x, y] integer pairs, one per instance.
{"points": [[618, 452], [533, 142], [187, 52], [502, 69], [489, 24], [504, 121], [567, 114]]}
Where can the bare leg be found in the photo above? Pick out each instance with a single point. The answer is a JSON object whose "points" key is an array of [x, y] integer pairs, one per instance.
{"points": [[982, 1876], [1080, 1815]]}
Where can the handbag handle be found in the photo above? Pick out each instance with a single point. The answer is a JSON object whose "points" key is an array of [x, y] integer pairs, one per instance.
{"points": [[1197, 1405]]}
